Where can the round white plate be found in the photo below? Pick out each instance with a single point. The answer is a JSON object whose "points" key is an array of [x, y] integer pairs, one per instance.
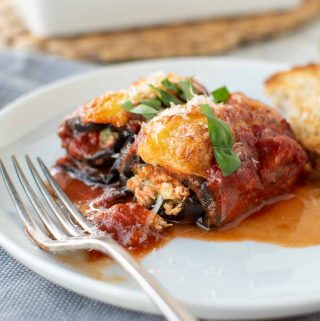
{"points": [[238, 280]]}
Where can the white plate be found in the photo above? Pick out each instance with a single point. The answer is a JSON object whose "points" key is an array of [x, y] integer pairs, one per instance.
{"points": [[214, 280]]}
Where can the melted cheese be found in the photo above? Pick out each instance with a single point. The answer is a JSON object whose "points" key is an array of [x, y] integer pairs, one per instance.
{"points": [[141, 90], [178, 140], [107, 109]]}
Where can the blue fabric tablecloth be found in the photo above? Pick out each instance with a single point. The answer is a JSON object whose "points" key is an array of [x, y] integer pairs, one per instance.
{"points": [[25, 296]]}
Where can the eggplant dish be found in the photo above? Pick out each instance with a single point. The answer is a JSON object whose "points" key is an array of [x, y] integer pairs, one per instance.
{"points": [[165, 151]]}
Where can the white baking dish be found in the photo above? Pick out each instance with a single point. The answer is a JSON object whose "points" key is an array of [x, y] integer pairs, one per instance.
{"points": [[69, 17]]}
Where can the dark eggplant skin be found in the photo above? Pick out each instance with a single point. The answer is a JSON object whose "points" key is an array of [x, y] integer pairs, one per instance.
{"points": [[106, 156], [190, 213], [109, 166], [81, 171], [74, 128], [206, 199], [102, 157], [76, 125]]}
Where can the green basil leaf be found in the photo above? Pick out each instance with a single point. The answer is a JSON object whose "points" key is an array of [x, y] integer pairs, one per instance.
{"points": [[155, 103], [228, 161], [219, 131], [170, 85], [165, 97], [222, 142], [221, 95], [127, 105], [146, 111], [187, 89]]}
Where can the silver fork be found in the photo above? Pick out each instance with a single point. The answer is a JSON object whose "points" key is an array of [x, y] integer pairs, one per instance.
{"points": [[61, 234]]}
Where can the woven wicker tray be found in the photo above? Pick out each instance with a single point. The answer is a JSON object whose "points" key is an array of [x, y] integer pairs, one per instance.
{"points": [[202, 38]]}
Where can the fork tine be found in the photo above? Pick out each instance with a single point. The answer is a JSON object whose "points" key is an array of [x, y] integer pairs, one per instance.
{"points": [[39, 208], [30, 224], [77, 216], [59, 213]]}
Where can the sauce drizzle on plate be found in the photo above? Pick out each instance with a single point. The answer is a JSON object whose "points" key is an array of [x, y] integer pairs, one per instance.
{"points": [[292, 222]]}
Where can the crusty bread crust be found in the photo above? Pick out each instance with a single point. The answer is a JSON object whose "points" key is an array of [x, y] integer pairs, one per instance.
{"points": [[278, 78], [296, 93]]}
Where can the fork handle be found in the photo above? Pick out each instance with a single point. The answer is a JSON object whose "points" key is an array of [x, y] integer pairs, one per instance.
{"points": [[171, 309]]}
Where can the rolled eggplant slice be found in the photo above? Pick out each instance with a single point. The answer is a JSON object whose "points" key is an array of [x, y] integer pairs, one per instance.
{"points": [[107, 166], [94, 144], [177, 141]]}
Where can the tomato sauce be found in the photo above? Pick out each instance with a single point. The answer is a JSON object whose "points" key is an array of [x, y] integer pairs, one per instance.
{"points": [[130, 224], [291, 222]]}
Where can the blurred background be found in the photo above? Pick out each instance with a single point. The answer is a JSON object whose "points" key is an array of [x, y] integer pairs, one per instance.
{"points": [[107, 31]]}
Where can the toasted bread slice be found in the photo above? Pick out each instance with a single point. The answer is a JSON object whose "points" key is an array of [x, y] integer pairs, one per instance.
{"points": [[296, 93]]}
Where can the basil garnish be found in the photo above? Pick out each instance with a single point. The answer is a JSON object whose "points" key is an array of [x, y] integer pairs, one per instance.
{"points": [[182, 92], [144, 110], [152, 102], [187, 89], [127, 106], [170, 85], [165, 97], [221, 95], [222, 142]]}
